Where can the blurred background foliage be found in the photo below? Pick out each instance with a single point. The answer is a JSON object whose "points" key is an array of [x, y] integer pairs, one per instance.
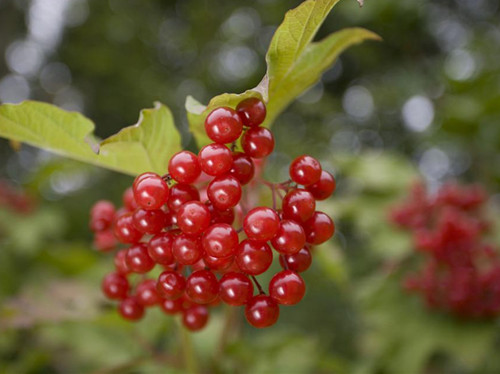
{"points": [[424, 103]]}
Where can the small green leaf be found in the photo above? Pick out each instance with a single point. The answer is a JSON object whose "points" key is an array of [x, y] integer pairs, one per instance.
{"points": [[145, 146]]}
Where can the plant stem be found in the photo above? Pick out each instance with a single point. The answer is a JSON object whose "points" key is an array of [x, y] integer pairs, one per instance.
{"points": [[191, 365], [259, 287]]}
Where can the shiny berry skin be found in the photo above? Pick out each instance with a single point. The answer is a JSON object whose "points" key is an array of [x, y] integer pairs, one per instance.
{"points": [[160, 248], [115, 286], [298, 205], [252, 111], [186, 249], [319, 228], [184, 167], [128, 200], [262, 311], [146, 293], [261, 224], [220, 240], [131, 309], [223, 125], [121, 263], [235, 289], [102, 215], [138, 260], [150, 191], [215, 159], [180, 194], [193, 218], [290, 237], [224, 192], [324, 187], [220, 216], [195, 317], [258, 142], [202, 287], [171, 306], [287, 287], [125, 230], [253, 257], [105, 241], [298, 262], [219, 264], [149, 221], [305, 170], [170, 285], [243, 168]]}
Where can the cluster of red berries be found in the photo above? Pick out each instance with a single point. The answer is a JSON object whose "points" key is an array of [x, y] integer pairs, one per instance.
{"points": [[461, 271], [15, 199], [183, 222]]}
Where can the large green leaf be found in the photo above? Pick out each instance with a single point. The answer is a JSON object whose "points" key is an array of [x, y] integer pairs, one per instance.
{"points": [[145, 146], [294, 63]]}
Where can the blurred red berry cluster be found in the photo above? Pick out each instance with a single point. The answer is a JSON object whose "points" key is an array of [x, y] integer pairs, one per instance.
{"points": [[460, 273], [15, 199]]}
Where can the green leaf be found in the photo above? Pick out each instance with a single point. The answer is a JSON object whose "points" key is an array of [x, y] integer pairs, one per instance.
{"points": [[145, 146], [294, 63]]}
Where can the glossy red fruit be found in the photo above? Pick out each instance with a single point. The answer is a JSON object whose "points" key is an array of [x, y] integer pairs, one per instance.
{"points": [[290, 237], [305, 170], [102, 215], [150, 191], [146, 293], [215, 159], [131, 309], [193, 218], [160, 248], [324, 187], [187, 250], [261, 224], [138, 260], [125, 230], [242, 168], [224, 192], [298, 205], [195, 317], [149, 221], [235, 289], [298, 262], [105, 241], [253, 257], [252, 111], [262, 311], [319, 228], [223, 125], [220, 216], [170, 285], [115, 286], [258, 142], [287, 287], [202, 287], [171, 306], [220, 240], [219, 264], [180, 194], [128, 200], [121, 263], [184, 167]]}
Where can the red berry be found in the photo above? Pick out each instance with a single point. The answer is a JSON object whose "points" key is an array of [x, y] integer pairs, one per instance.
{"points": [[146, 293], [195, 317], [186, 249], [131, 309], [193, 218], [319, 228], [218, 264], [202, 287], [223, 125], [261, 224], [150, 191], [171, 306], [323, 188], [160, 248], [184, 167], [102, 215], [125, 230], [224, 192], [129, 200], [287, 287], [298, 205], [305, 170], [220, 240], [121, 263], [262, 311], [215, 159], [138, 260], [258, 142], [253, 257], [170, 285], [105, 241], [181, 194], [220, 216], [235, 288], [297, 262], [243, 168], [115, 286], [290, 237], [252, 111], [149, 221]]}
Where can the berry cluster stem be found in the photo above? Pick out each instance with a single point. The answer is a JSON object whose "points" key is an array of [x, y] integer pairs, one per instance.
{"points": [[259, 287]]}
